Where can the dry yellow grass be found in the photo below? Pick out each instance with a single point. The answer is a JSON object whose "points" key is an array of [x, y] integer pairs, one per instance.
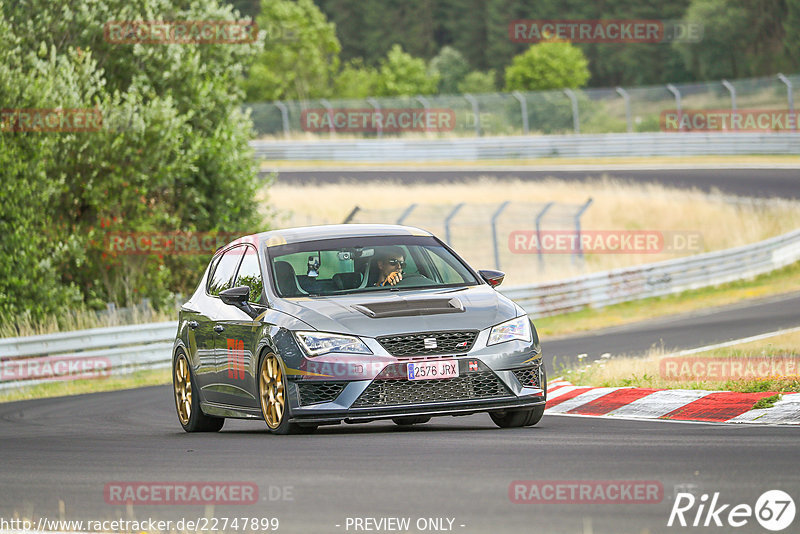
{"points": [[651, 371], [616, 206]]}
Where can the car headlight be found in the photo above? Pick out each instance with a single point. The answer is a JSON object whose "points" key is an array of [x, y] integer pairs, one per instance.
{"points": [[319, 343], [519, 328]]}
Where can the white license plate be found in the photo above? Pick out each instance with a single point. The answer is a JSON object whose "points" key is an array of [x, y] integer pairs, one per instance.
{"points": [[433, 369]]}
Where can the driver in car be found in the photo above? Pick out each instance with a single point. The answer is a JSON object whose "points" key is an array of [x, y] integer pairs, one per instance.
{"points": [[390, 265]]}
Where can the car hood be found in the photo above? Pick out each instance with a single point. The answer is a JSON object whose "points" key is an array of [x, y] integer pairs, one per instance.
{"points": [[395, 312]]}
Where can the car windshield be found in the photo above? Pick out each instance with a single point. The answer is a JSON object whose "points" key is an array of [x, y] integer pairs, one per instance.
{"points": [[351, 265]]}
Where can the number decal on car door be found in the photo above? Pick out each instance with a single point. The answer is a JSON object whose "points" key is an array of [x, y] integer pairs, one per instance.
{"points": [[236, 359]]}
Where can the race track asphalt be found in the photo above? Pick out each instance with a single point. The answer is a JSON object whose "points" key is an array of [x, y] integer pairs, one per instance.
{"points": [[754, 182]]}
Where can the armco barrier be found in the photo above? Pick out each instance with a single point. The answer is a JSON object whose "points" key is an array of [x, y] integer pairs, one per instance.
{"points": [[124, 348], [529, 147], [656, 279], [146, 346]]}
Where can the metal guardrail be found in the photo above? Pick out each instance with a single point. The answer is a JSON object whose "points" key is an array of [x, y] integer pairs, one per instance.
{"points": [[130, 348], [97, 352], [657, 279], [529, 147]]}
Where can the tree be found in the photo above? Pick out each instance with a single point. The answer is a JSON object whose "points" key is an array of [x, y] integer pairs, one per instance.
{"points": [[745, 39], [547, 65], [357, 80], [791, 26], [402, 74], [478, 82], [451, 67], [302, 61], [172, 153]]}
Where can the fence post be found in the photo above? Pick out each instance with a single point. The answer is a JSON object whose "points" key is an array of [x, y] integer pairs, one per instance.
{"points": [[377, 107], [674, 90], [447, 223], [578, 229], [476, 112], [524, 110], [576, 121], [406, 213], [626, 98], [329, 108], [494, 233], [284, 116], [539, 232], [351, 215], [425, 104], [789, 97], [732, 90]]}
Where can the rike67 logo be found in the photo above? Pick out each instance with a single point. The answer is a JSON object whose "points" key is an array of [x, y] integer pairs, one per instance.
{"points": [[774, 510]]}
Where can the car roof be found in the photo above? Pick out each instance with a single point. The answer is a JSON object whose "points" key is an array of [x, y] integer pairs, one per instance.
{"points": [[329, 231]]}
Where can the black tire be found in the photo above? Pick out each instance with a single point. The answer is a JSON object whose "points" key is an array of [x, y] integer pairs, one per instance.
{"points": [[409, 420], [283, 426], [195, 420], [518, 418]]}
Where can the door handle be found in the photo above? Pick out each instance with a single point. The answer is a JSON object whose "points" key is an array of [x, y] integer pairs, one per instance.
{"points": [[193, 324], [219, 329]]}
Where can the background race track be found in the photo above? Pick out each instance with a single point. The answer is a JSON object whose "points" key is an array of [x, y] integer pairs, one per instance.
{"points": [[754, 182]]}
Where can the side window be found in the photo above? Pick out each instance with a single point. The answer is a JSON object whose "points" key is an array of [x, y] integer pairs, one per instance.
{"points": [[250, 275], [448, 274], [222, 277]]}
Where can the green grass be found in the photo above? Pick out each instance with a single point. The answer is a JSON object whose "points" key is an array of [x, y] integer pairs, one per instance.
{"points": [[777, 282], [767, 402], [60, 388], [647, 372]]}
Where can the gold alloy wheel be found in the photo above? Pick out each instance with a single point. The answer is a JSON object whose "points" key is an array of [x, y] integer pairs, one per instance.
{"points": [[273, 402], [183, 389]]}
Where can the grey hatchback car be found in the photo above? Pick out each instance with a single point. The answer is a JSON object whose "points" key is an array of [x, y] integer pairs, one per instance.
{"points": [[314, 326]]}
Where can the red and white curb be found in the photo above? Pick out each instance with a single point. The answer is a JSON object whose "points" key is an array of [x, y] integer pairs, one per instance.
{"points": [[670, 404]]}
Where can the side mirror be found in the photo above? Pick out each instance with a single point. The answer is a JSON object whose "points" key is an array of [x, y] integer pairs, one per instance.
{"points": [[493, 278], [237, 296]]}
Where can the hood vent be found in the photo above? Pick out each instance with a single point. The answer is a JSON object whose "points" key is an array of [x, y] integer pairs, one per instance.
{"points": [[410, 307]]}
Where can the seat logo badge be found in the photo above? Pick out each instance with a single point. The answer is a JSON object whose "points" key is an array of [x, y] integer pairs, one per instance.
{"points": [[430, 342], [462, 345]]}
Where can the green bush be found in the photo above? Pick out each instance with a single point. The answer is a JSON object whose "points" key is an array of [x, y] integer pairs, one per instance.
{"points": [[172, 153], [548, 65]]}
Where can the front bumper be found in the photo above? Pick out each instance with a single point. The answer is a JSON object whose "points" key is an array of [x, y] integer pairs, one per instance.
{"points": [[478, 388]]}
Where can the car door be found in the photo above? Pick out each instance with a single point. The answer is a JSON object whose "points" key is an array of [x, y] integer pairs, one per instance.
{"points": [[199, 315], [239, 336], [215, 381]]}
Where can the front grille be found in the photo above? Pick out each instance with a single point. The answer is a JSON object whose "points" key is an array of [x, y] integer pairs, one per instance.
{"points": [[414, 344], [392, 392], [528, 376], [316, 392]]}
